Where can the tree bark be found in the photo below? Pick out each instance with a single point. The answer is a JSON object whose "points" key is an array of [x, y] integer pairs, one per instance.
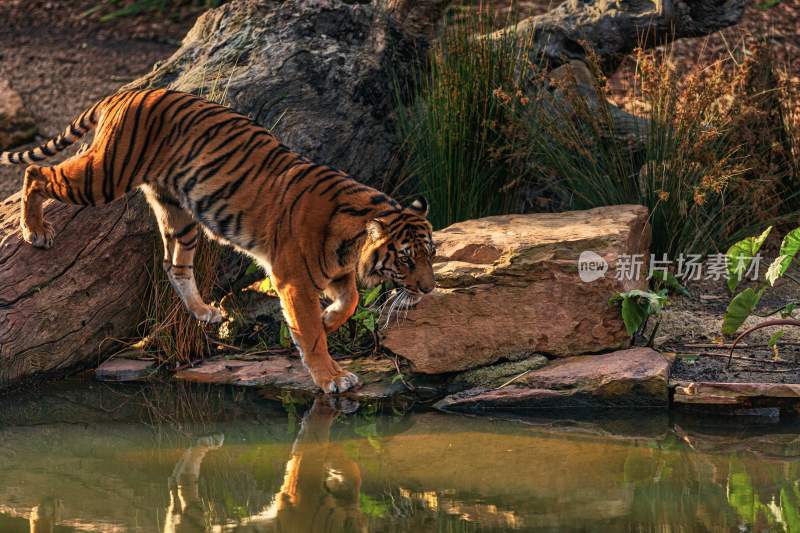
{"points": [[612, 29], [318, 73], [58, 306]]}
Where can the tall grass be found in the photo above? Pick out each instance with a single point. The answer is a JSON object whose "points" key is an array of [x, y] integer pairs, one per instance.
{"points": [[689, 162], [170, 331], [455, 131]]}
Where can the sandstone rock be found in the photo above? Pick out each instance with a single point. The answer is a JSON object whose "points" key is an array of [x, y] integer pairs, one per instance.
{"points": [[746, 395], [125, 369], [637, 377], [509, 285], [16, 125], [287, 373]]}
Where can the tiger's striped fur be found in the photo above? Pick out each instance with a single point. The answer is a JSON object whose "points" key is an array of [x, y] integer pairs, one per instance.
{"points": [[313, 228]]}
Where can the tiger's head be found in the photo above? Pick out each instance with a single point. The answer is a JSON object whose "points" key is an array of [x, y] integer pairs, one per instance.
{"points": [[399, 248]]}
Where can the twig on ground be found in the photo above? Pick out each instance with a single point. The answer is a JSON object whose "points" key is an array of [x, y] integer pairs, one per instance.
{"points": [[512, 380], [739, 358]]}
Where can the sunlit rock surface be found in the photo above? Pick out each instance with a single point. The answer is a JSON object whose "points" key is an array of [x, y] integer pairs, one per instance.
{"points": [[285, 372], [637, 377], [509, 286], [768, 400], [125, 369]]}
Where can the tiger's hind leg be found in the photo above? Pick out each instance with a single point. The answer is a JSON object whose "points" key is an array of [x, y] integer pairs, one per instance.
{"points": [[35, 229], [79, 181], [180, 235]]}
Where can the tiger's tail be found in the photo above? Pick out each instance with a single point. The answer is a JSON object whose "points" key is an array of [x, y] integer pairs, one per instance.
{"points": [[77, 129]]}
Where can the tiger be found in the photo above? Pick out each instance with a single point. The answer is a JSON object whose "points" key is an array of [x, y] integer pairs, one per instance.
{"points": [[315, 230], [320, 491]]}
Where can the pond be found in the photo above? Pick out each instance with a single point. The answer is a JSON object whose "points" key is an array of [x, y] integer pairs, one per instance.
{"points": [[83, 456]]}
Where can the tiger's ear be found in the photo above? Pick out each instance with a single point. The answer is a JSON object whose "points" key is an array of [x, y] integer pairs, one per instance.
{"points": [[375, 229], [420, 206]]}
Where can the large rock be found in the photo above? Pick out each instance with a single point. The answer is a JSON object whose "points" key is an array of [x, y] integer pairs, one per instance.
{"points": [[509, 285], [637, 377], [16, 124]]}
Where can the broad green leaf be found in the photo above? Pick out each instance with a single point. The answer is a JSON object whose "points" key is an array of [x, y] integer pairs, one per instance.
{"points": [[634, 314], [789, 248], [776, 269], [371, 295], [787, 311], [774, 338], [369, 322], [637, 305], [740, 255], [741, 307]]}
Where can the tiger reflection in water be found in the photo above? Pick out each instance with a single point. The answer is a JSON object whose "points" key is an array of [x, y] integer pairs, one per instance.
{"points": [[320, 490]]}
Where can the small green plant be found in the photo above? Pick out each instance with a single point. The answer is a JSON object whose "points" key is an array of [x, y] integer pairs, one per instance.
{"points": [[739, 258], [662, 279], [357, 335], [638, 306]]}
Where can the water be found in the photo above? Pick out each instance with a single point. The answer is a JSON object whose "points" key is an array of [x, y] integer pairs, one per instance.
{"points": [[92, 457]]}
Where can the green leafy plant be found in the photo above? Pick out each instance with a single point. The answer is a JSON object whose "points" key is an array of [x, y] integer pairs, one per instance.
{"points": [[661, 279], [357, 335], [638, 306], [739, 257]]}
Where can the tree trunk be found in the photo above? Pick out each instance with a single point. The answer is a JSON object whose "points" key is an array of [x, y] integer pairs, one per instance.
{"points": [[318, 73], [612, 29], [58, 306]]}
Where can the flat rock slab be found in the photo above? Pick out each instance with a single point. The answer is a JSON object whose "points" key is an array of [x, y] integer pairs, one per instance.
{"points": [[740, 395], [637, 377], [124, 369], [509, 286], [287, 373]]}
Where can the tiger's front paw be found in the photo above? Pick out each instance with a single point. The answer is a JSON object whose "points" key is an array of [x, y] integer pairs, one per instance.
{"points": [[208, 314], [41, 238], [341, 382]]}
